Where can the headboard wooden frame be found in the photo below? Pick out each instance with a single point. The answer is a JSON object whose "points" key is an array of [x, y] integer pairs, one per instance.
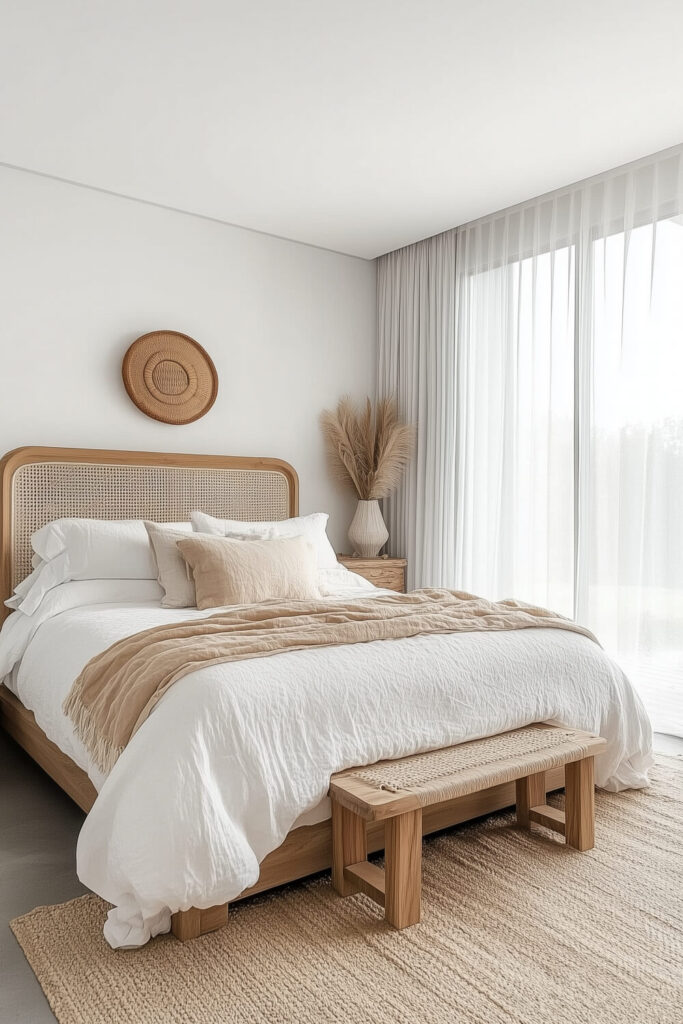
{"points": [[41, 484]]}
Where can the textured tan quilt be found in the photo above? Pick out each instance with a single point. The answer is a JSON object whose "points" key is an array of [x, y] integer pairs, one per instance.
{"points": [[117, 690]]}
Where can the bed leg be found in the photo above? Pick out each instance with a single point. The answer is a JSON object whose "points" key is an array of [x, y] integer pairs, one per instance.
{"points": [[189, 924]]}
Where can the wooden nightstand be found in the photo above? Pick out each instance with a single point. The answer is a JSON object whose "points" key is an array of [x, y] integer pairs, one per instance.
{"points": [[389, 573]]}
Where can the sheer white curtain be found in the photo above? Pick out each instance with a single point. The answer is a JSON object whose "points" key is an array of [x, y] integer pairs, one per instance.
{"points": [[515, 471], [417, 364], [540, 351]]}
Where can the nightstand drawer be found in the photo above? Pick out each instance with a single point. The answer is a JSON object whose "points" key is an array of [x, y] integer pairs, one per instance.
{"points": [[389, 573]]}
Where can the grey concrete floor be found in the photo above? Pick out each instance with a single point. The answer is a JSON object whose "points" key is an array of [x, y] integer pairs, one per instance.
{"points": [[39, 826]]}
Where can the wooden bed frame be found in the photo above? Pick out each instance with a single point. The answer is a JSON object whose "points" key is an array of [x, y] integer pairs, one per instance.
{"points": [[306, 850]]}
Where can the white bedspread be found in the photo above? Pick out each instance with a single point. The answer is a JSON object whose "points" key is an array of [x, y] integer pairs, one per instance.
{"points": [[235, 754]]}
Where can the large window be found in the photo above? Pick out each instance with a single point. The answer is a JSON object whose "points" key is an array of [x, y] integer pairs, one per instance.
{"points": [[570, 341], [540, 351], [517, 534], [631, 576]]}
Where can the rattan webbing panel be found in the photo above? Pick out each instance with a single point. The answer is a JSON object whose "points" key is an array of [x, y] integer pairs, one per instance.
{"points": [[42, 491]]}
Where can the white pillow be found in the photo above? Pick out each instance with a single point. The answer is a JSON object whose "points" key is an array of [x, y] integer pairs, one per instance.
{"points": [[101, 549], [87, 549], [30, 592], [340, 582], [311, 527]]}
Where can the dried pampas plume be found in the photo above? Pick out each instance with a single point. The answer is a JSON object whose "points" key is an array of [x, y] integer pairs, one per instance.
{"points": [[368, 448]]}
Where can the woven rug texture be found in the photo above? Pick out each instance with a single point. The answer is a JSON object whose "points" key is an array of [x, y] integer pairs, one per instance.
{"points": [[517, 929]]}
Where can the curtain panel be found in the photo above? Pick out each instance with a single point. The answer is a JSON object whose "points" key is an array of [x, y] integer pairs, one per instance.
{"points": [[540, 352]]}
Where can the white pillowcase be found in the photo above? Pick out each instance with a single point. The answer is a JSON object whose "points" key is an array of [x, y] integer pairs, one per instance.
{"points": [[101, 549], [87, 549], [311, 527], [30, 592], [339, 582]]}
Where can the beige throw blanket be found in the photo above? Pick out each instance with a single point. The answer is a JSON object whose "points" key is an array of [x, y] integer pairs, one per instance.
{"points": [[117, 690]]}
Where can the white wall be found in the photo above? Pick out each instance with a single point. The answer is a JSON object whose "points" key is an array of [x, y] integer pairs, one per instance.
{"points": [[289, 327]]}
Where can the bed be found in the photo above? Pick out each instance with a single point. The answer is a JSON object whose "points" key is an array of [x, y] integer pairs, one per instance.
{"points": [[222, 792]]}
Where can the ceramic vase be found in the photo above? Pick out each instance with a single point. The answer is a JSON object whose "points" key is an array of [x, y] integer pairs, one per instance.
{"points": [[368, 533]]}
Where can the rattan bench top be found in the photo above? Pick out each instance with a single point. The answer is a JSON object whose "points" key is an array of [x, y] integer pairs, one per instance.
{"points": [[388, 788]]}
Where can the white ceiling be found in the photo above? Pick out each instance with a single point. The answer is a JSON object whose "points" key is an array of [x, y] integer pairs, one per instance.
{"points": [[357, 125]]}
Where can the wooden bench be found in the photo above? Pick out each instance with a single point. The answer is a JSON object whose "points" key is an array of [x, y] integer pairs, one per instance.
{"points": [[396, 792]]}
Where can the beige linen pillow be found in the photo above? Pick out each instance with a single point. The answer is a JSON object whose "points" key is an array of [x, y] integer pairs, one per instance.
{"points": [[172, 569], [245, 572]]}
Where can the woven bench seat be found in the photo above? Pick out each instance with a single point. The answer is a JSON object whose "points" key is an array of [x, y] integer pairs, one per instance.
{"points": [[396, 791]]}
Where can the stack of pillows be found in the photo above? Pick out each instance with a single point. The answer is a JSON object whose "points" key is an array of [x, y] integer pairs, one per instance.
{"points": [[205, 563]]}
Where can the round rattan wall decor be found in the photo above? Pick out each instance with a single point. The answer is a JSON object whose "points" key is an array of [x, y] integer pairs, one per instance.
{"points": [[170, 377]]}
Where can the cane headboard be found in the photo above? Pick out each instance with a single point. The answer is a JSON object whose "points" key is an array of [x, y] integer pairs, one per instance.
{"points": [[41, 484]]}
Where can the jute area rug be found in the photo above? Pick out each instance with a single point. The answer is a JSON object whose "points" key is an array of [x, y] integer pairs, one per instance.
{"points": [[516, 929]]}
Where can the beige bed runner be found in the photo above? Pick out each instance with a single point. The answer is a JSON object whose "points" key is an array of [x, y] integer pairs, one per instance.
{"points": [[117, 690]]}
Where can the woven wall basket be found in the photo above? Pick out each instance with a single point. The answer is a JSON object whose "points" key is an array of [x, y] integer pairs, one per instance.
{"points": [[170, 377]]}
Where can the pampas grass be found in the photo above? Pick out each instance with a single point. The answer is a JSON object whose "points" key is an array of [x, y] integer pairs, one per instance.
{"points": [[368, 448]]}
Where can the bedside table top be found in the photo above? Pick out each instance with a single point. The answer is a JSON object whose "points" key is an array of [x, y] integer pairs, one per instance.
{"points": [[378, 560]]}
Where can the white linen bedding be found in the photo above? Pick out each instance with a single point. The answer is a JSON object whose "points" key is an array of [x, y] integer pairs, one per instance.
{"points": [[235, 754]]}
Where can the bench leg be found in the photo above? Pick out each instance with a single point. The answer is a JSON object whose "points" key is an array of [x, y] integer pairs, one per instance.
{"points": [[530, 792], [577, 823], [397, 888], [349, 846], [580, 804], [403, 868]]}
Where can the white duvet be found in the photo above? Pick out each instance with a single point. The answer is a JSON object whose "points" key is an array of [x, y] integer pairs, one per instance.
{"points": [[235, 754]]}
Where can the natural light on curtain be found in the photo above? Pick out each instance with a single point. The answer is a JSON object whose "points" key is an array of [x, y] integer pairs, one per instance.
{"points": [[560, 327], [630, 581], [515, 528]]}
